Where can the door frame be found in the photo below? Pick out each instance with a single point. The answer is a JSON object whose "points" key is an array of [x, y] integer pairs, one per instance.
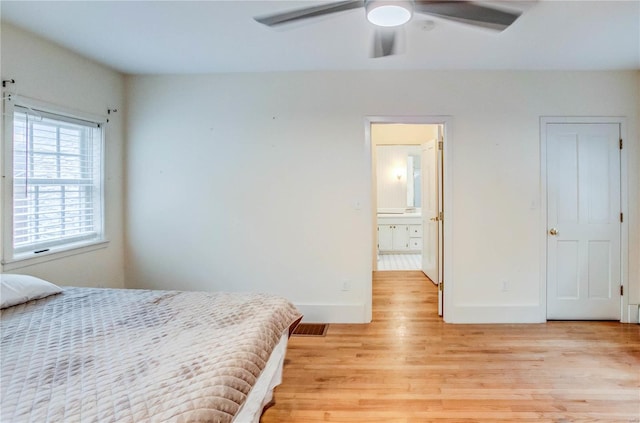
{"points": [[624, 201], [447, 205]]}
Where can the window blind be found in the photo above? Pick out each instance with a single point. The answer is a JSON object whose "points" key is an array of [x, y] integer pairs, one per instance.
{"points": [[57, 181]]}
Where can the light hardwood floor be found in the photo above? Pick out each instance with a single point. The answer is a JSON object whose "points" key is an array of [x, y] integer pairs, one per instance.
{"points": [[408, 366]]}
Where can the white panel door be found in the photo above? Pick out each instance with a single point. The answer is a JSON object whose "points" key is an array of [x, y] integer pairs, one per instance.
{"points": [[430, 259], [583, 215]]}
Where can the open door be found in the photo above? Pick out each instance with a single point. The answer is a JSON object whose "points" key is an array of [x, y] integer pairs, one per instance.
{"points": [[430, 256], [432, 196]]}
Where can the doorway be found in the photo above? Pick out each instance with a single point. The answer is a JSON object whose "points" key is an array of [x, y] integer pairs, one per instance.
{"points": [[408, 161]]}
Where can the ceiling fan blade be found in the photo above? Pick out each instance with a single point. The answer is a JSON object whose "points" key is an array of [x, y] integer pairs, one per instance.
{"points": [[468, 12], [309, 12], [384, 42]]}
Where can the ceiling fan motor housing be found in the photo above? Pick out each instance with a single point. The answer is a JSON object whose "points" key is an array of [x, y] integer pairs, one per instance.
{"points": [[388, 13]]}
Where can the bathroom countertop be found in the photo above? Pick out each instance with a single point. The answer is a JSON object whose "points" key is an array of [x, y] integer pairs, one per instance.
{"points": [[400, 215]]}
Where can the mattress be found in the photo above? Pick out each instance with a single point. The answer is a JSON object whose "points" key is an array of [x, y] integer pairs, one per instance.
{"points": [[96, 355]]}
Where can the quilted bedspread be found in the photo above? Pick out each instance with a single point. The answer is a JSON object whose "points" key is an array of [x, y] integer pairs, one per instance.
{"points": [[116, 355]]}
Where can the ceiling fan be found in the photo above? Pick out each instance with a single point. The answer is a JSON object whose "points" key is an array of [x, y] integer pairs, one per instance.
{"points": [[389, 15]]}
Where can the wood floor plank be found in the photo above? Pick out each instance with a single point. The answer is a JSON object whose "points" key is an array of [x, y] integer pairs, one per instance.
{"points": [[408, 366]]}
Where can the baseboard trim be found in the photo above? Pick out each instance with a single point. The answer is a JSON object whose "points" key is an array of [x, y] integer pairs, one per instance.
{"points": [[633, 314], [496, 314], [333, 313], [356, 313]]}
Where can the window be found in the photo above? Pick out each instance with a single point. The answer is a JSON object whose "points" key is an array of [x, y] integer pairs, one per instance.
{"points": [[56, 199]]}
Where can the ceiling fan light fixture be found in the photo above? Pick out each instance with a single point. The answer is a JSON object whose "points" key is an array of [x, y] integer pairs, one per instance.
{"points": [[388, 13]]}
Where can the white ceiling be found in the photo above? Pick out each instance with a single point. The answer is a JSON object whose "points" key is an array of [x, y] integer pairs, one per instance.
{"points": [[157, 37]]}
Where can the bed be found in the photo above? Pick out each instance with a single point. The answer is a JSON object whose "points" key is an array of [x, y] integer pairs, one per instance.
{"points": [[122, 355]]}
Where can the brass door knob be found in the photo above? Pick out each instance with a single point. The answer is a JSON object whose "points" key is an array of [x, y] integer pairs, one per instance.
{"points": [[553, 231], [435, 219]]}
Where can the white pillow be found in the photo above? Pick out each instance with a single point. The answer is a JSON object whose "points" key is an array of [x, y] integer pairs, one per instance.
{"points": [[18, 289]]}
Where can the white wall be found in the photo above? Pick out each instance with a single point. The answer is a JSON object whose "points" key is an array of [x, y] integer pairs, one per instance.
{"points": [[50, 73], [263, 181]]}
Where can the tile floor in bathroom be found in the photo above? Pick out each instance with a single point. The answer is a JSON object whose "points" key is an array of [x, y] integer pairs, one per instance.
{"points": [[399, 261]]}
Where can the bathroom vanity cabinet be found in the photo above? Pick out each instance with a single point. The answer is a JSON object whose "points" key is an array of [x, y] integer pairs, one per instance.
{"points": [[399, 233]]}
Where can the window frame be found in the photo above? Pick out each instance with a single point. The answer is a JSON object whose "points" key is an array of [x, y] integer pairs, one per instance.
{"points": [[11, 260]]}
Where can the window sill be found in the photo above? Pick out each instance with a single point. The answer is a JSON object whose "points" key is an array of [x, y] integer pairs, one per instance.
{"points": [[26, 261]]}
